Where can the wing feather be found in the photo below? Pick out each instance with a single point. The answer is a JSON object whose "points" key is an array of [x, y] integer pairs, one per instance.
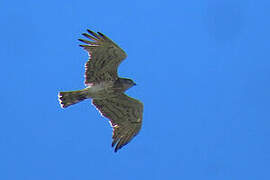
{"points": [[93, 33], [125, 115], [104, 57]]}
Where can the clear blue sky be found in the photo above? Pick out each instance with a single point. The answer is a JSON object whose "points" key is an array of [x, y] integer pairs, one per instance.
{"points": [[203, 74]]}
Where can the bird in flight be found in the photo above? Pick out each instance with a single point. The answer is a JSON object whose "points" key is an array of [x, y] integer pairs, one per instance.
{"points": [[107, 89]]}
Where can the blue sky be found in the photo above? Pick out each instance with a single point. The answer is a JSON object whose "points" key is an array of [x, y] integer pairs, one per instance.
{"points": [[203, 73]]}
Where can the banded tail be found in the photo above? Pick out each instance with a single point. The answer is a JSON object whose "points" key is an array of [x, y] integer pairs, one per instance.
{"points": [[72, 97]]}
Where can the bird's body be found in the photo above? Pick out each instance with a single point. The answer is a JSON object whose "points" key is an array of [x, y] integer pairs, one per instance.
{"points": [[100, 90], [106, 89]]}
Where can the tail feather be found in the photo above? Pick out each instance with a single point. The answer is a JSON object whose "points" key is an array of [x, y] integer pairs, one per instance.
{"points": [[72, 97]]}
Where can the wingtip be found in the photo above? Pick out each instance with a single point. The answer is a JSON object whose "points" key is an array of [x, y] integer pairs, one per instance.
{"points": [[93, 33], [100, 34], [82, 45], [117, 146], [85, 41], [114, 142], [86, 35], [88, 30], [81, 40]]}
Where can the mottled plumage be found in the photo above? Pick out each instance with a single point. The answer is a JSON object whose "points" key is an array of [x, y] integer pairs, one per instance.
{"points": [[106, 89]]}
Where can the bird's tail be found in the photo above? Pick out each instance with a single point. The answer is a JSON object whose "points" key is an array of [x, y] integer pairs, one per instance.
{"points": [[72, 97]]}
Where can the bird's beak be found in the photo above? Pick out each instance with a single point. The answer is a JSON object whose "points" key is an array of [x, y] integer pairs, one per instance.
{"points": [[135, 84]]}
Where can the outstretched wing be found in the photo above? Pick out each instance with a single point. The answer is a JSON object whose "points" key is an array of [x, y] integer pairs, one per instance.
{"points": [[125, 114], [104, 58]]}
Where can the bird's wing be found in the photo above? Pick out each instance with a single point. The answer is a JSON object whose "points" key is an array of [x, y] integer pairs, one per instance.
{"points": [[125, 114], [104, 58]]}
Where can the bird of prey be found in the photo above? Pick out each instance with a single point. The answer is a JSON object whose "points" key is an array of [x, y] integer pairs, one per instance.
{"points": [[106, 89]]}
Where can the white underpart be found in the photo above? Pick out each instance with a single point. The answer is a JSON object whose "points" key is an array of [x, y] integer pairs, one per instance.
{"points": [[97, 87]]}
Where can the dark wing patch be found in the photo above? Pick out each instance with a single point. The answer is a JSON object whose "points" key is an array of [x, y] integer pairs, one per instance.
{"points": [[125, 114], [104, 58]]}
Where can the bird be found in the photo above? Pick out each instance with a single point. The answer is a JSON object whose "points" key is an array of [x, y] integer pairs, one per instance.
{"points": [[106, 89]]}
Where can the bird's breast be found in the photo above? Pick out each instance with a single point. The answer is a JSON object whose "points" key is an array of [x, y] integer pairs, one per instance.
{"points": [[100, 90]]}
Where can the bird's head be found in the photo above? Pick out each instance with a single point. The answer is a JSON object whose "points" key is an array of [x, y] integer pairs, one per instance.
{"points": [[125, 83]]}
